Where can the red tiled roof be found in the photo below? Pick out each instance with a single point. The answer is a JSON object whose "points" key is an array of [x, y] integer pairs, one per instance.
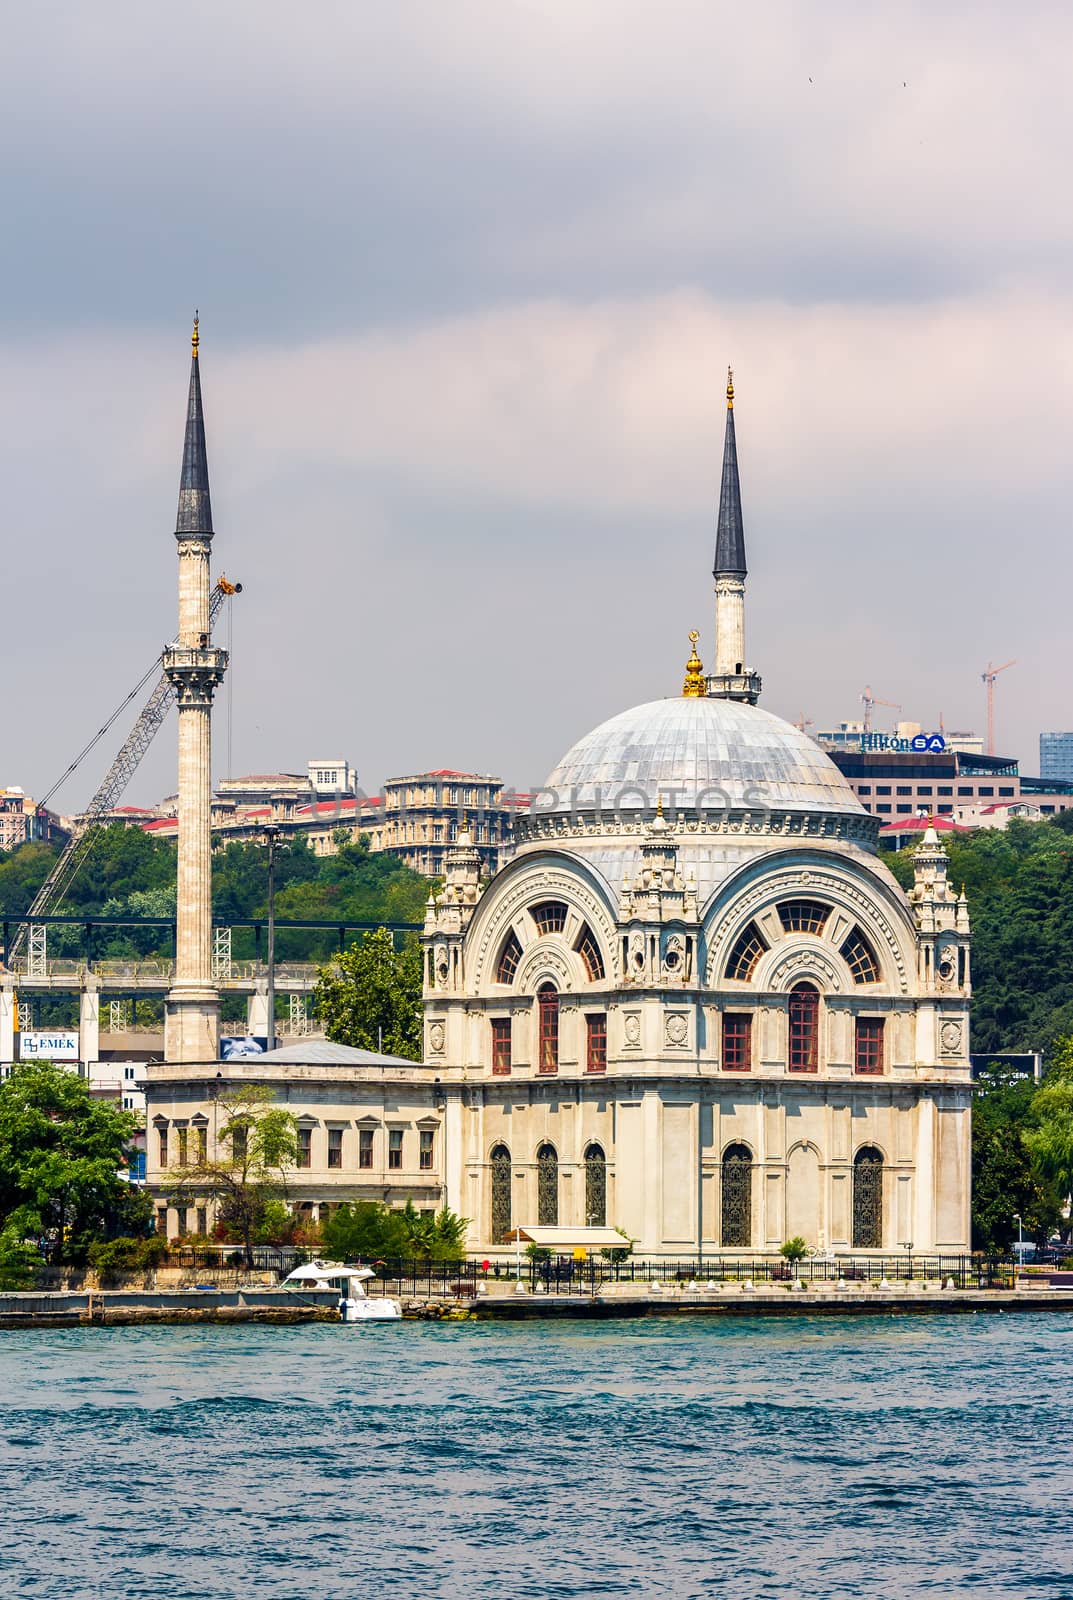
{"points": [[921, 824], [161, 822]]}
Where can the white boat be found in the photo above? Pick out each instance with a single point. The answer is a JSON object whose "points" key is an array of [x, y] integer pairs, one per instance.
{"points": [[355, 1305]]}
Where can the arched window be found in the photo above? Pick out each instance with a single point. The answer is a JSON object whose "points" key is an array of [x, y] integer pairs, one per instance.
{"points": [[549, 916], [548, 1028], [547, 1186], [595, 1187], [501, 1180], [509, 957], [589, 951], [748, 948], [859, 956], [803, 916], [804, 1054], [868, 1199], [737, 1198]]}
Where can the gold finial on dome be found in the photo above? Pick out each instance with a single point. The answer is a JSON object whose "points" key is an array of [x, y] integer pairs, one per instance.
{"points": [[695, 685], [730, 388], [659, 805], [194, 339]]}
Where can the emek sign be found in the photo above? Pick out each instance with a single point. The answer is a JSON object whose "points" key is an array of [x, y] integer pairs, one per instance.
{"points": [[42, 1046]]}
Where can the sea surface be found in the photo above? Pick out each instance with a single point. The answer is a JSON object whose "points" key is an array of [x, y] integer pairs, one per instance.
{"points": [[808, 1457]]}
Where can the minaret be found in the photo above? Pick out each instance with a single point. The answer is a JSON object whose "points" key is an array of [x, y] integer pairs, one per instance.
{"points": [[731, 679], [192, 1015]]}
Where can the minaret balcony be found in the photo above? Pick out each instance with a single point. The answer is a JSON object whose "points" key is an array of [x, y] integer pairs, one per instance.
{"points": [[194, 674], [741, 685]]}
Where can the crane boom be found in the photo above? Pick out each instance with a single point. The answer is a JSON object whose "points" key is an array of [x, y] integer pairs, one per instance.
{"points": [[115, 780]]}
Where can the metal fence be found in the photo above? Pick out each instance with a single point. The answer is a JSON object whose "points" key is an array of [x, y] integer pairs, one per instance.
{"points": [[561, 1274], [415, 1278]]}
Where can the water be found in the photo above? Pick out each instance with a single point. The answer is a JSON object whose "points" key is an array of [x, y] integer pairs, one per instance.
{"points": [[753, 1458]]}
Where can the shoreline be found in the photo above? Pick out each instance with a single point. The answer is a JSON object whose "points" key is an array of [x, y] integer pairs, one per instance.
{"points": [[274, 1307]]}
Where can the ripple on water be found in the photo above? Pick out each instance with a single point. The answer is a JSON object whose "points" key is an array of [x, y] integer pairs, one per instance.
{"points": [[530, 1462]]}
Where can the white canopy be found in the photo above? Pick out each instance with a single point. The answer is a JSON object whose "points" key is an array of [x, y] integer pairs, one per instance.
{"points": [[568, 1239], [321, 1273]]}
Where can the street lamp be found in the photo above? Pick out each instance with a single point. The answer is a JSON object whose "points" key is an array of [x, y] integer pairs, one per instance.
{"points": [[270, 832], [1019, 1263]]}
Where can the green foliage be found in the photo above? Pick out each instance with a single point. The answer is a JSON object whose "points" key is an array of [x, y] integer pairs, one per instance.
{"points": [[370, 996], [126, 1254], [129, 872], [1050, 1139], [370, 1231], [1020, 887], [365, 1231], [20, 1260], [1006, 1177], [257, 1144], [795, 1249], [61, 1153]]}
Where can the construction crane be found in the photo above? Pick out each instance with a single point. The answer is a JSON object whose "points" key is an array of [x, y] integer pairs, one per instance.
{"points": [[803, 722], [119, 774], [988, 677], [869, 699]]}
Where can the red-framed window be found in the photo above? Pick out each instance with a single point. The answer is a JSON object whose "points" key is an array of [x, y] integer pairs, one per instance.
{"points": [[335, 1147], [426, 1151], [596, 1043], [737, 1042], [548, 1028], [365, 1148], [868, 1046], [501, 1061], [394, 1149], [305, 1147], [804, 1054]]}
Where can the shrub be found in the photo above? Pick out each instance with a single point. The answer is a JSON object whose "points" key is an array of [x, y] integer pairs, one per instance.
{"points": [[20, 1260]]}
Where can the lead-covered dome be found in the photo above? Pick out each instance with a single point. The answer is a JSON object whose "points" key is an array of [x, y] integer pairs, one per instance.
{"points": [[698, 754]]}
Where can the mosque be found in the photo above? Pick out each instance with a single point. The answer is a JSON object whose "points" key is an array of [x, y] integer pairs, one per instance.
{"points": [[694, 1005]]}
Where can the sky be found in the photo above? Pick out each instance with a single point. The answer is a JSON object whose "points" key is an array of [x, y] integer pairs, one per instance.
{"points": [[470, 274]]}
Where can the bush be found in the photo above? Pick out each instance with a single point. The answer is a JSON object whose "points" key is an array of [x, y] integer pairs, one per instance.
{"points": [[795, 1249], [111, 1256], [20, 1260]]}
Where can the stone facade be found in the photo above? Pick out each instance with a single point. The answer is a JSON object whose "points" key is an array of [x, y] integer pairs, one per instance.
{"points": [[714, 1028]]}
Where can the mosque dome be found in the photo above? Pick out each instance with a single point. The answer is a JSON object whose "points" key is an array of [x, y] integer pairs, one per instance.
{"points": [[696, 753]]}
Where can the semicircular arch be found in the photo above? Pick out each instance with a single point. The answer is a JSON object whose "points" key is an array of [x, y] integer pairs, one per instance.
{"points": [[526, 881], [860, 894]]}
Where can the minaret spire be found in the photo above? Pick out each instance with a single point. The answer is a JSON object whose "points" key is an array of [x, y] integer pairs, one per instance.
{"points": [[195, 668], [195, 504], [730, 533], [731, 679]]}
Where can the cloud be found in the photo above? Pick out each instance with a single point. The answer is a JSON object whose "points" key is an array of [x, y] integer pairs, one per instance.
{"points": [[441, 498]]}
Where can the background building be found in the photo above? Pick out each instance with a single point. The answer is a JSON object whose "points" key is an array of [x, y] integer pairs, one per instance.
{"points": [[22, 819], [1056, 756], [416, 818], [893, 783]]}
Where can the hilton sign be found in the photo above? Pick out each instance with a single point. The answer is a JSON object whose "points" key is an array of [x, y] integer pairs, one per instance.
{"points": [[932, 743]]}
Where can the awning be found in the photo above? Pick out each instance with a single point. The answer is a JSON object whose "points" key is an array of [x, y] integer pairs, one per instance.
{"points": [[569, 1239]]}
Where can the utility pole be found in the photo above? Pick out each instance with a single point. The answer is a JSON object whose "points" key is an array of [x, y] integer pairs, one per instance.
{"points": [[270, 832], [988, 677]]}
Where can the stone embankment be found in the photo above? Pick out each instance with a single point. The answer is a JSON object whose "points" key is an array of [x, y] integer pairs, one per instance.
{"points": [[919, 1297], [128, 1308]]}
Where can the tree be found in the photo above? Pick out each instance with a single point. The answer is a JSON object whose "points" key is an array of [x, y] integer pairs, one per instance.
{"points": [[1050, 1140], [1007, 1178], [257, 1144], [62, 1159], [370, 996], [364, 1231], [370, 1231]]}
